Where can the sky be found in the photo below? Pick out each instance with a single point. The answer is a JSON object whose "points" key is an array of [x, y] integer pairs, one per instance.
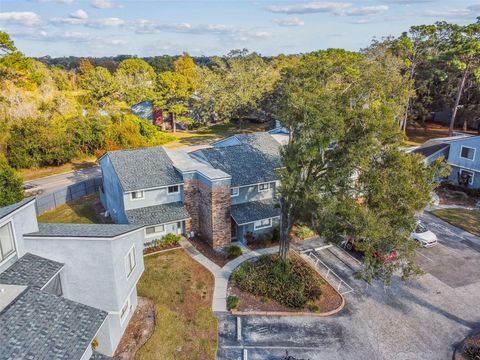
{"points": [[157, 27]]}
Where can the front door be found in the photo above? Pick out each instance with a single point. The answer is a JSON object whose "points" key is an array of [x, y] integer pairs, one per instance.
{"points": [[233, 227]]}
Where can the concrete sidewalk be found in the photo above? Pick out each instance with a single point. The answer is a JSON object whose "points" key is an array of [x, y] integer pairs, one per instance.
{"points": [[222, 275]]}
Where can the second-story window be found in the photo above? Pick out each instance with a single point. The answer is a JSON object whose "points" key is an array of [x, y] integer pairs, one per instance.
{"points": [[136, 195], [7, 245], [467, 153], [234, 192], [173, 189], [130, 261], [263, 187]]}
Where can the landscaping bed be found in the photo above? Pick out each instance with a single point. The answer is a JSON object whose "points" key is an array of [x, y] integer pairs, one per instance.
{"points": [[168, 242], [217, 257], [469, 349], [262, 286], [456, 195], [185, 326], [468, 220]]}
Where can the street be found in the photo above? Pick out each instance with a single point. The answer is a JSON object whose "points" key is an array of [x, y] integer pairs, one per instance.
{"points": [[422, 319]]}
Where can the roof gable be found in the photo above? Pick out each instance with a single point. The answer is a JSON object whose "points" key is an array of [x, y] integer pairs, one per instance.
{"points": [[146, 168]]}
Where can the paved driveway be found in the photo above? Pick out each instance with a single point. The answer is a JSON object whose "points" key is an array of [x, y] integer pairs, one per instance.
{"points": [[418, 320]]}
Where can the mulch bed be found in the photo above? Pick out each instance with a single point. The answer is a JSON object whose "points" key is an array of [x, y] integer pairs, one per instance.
{"points": [[460, 351], [455, 197], [153, 249], [329, 300], [216, 256], [139, 330]]}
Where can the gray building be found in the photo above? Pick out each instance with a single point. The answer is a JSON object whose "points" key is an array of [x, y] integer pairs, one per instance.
{"points": [[222, 193], [64, 287]]}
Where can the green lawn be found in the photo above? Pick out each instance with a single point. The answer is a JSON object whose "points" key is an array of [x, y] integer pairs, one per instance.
{"points": [[468, 220], [186, 327], [81, 211]]}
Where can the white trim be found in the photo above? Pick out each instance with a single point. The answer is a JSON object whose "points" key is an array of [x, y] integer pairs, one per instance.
{"points": [[53, 277], [138, 198], [467, 147], [135, 259], [33, 236], [463, 167], [253, 222], [154, 188], [237, 191], [471, 172], [154, 233], [270, 224]]}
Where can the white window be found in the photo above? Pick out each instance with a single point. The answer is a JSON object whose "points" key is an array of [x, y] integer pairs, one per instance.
{"points": [[466, 177], [136, 195], [262, 224], [130, 261], [467, 153], [173, 189], [234, 191], [7, 244], [155, 229], [263, 187], [125, 310]]}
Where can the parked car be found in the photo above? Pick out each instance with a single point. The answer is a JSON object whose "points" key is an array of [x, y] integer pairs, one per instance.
{"points": [[352, 244], [424, 236], [32, 189]]}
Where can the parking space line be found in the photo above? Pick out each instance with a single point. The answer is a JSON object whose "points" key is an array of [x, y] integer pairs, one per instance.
{"points": [[426, 257], [449, 249]]}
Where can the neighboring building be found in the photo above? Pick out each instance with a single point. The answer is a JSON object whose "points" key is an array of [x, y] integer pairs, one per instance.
{"points": [[220, 193], [157, 117], [62, 286], [461, 152]]}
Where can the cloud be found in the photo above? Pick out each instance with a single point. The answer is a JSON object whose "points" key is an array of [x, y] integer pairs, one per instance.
{"points": [[65, 2], [93, 23], [26, 18], [408, 2], [294, 21], [69, 37], [338, 8], [79, 14], [104, 4], [307, 8], [459, 13]]}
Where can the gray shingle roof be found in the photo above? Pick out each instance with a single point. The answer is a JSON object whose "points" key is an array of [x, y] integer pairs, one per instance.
{"points": [[158, 214], [429, 150], [30, 270], [145, 168], [252, 162], [4, 211], [41, 326], [253, 211], [82, 230]]}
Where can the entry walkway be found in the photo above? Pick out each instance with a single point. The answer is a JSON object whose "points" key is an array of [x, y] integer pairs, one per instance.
{"points": [[222, 275]]}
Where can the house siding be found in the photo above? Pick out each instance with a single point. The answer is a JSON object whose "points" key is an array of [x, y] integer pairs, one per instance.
{"points": [[458, 163], [112, 192], [251, 193], [152, 197], [96, 275], [170, 228], [242, 230]]}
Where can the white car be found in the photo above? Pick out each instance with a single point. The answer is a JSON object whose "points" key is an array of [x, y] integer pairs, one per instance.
{"points": [[424, 236]]}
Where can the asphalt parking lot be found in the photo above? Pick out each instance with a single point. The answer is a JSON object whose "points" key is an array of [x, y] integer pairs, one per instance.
{"points": [[423, 319]]}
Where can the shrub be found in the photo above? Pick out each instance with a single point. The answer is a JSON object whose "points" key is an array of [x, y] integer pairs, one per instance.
{"points": [[232, 302], [293, 284], [171, 239], [472, 352], [313, 307], [234, 251]]}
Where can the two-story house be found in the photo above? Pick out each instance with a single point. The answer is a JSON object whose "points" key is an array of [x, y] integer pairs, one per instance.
{"points": [[461, 152], [219, 193], [64, 287]]}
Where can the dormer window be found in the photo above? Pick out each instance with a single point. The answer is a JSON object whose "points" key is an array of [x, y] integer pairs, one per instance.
{"points": [[467, 153], [173, 189], [137, 195]]}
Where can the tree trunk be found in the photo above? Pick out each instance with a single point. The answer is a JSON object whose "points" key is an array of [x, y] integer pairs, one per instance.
{"points": [[174, 124], [404, 124], [457, 100], [285, 227]]}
